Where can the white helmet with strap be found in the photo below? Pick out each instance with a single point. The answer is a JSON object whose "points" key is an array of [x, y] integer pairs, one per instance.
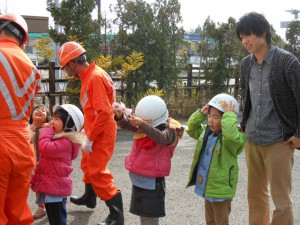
{"points": [[224, 97], [74, 112], [153, 110]]}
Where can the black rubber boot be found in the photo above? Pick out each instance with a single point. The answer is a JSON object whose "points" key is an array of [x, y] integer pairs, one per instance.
{"points": [[89, 198], [116, 216]]}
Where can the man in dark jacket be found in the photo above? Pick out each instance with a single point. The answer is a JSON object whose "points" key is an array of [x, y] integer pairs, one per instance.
{"points": [[270, 81]]}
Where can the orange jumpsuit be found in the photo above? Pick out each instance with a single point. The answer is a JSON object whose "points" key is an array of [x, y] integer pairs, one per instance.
{"points": [[19, 84], [96, 97]]}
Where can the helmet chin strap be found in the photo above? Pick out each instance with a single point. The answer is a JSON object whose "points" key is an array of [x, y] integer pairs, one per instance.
{"points": [[67, 128], [73, 70]]}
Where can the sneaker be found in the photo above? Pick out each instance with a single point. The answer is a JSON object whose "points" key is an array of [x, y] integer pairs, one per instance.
{"points": [[39, 213]]}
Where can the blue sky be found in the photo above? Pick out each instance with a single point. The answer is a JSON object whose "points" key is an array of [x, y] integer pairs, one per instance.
{"points": [[194, 12]]}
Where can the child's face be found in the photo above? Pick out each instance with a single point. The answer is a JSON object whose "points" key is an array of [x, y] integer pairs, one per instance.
{"points": [[39, 115], [214, 120], [57, 124]]}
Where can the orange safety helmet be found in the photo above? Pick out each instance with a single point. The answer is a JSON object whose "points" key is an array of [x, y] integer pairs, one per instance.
{"points": [[18, 23], [68, 51]]}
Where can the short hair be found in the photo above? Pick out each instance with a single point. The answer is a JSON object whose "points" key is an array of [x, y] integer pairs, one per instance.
{"points": [[254, 23], [210, 107], [68, 123], [80, 59]]}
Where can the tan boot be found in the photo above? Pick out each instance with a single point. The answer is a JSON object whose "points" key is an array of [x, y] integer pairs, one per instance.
{"points": [[39, 213]]}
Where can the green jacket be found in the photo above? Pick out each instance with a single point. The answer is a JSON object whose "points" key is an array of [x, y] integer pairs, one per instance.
{"points": [[223, 171]]}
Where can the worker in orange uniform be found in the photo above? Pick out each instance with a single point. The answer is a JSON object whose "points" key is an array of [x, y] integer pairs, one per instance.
{"points": [[97, 95], [19, 83]]}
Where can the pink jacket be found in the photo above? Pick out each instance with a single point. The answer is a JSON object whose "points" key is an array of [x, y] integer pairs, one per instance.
{"points": [[52, 172], [150, 162]]}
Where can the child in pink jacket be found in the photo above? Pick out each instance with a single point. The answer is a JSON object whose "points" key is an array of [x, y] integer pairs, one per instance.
{"points": [[149, 162], [51, 179]]}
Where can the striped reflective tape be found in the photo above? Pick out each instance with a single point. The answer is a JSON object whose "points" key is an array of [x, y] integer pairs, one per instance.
{"points": [[20, 92]]}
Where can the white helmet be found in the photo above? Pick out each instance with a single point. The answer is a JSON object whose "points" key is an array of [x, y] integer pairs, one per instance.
{"points": [[224, 97], [74, 112], [153, 110]]}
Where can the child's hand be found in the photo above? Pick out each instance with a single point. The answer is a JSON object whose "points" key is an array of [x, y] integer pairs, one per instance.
{"points": [[33, 127], [136, 121], [204, 110], [118, 111], [226, 107]]}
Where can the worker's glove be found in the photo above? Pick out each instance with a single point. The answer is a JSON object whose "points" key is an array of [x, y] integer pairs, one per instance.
{"points": [[87, 145]]}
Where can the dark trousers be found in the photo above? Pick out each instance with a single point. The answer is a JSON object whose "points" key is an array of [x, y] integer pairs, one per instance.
{"points": [[57, 212]]}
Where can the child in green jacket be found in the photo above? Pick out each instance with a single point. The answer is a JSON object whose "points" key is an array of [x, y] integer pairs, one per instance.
{"points": [[214, 170]]}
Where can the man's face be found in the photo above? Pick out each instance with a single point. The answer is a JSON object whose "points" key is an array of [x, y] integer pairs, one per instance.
{"points": [[69, 69], [252, 43]]}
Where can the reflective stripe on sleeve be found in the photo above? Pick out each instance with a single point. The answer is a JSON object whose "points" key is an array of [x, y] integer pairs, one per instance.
{"points": [[20, 92]]}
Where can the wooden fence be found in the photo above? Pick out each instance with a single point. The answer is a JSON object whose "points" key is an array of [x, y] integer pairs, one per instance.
{"points": [[54, 89]]}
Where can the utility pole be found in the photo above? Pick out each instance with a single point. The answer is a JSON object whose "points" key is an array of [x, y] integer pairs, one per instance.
{"points": [[58, 73], [98, 3]]}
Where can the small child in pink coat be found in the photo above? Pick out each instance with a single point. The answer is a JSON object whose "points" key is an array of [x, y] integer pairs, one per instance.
{"points": [[58, 145], [149, 162]]}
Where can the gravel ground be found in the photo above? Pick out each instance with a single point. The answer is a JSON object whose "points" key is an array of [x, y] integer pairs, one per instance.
{"points": [[183, 206]]}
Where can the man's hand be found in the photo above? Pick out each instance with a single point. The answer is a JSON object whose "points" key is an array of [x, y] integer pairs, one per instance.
{"points": [[87, 145], [294, 142]]}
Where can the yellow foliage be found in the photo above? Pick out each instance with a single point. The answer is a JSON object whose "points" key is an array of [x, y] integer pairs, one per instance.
{"points": [[128, 67], [155, 92], [119, 60], [104, 62], [76, 39], [43, 47], [134, 61], [121, 73], [131, 63]]}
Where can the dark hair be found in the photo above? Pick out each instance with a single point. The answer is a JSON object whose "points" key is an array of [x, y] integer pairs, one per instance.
{"points": [[162, 126], [65, 118], [80, 59], [48, 115], [254, 23], [209, 108]]}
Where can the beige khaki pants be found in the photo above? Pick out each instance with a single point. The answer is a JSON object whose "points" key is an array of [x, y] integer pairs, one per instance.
{"points": [[217, 213], [269, 172]]}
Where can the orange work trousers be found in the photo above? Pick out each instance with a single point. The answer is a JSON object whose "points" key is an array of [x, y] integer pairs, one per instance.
{"points": [[94, 165], [16, 164]]}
